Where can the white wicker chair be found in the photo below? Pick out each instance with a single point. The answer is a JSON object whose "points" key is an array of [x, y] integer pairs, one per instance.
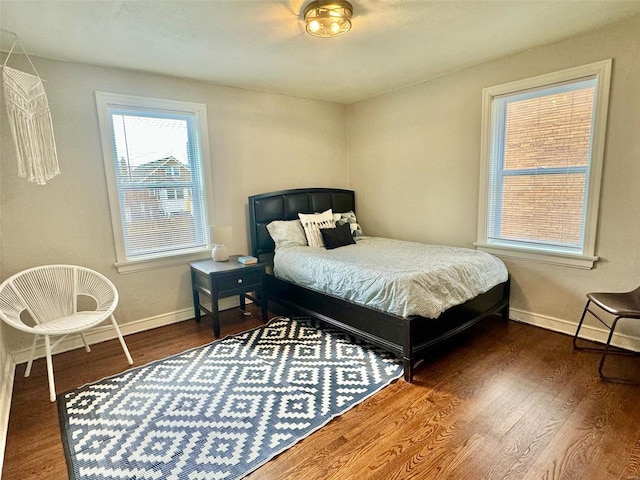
{"points": [[50, 294]]}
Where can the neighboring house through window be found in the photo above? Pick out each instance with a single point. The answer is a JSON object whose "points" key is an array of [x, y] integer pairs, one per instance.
{"points": [[155, 154], [542, 151]]}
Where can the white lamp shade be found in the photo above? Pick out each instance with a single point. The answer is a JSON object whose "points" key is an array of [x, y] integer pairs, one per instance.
{"points": [[221, 235]]}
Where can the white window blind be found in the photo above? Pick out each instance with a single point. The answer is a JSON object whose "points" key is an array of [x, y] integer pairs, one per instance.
{"points": [[156, 166], [540, 152], [542, 157]]}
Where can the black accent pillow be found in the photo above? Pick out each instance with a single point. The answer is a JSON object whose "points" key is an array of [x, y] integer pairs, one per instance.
{"points": [[337, 237]]}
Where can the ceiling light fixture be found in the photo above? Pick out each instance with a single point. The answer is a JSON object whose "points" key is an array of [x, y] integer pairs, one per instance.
{"points": [[328, 18]]}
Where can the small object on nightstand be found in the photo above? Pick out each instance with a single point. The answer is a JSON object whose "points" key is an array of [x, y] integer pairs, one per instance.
{"points": [[247, 260], [222, 236], [220, 253]]}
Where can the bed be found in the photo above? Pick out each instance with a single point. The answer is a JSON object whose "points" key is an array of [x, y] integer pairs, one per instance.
{"points": [[408, 337]]}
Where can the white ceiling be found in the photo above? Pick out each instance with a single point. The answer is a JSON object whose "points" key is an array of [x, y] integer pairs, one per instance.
{"points": [[262, 45]]}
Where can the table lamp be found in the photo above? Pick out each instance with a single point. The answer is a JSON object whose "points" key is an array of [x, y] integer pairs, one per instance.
{"points": [[221, 236]]}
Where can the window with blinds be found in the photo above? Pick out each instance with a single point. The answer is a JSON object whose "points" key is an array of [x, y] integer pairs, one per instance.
{"points": [[155, 169], [542, 160]]}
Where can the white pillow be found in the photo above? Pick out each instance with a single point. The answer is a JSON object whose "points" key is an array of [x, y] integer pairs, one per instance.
{"points": [[287, 233], [313, 222]]}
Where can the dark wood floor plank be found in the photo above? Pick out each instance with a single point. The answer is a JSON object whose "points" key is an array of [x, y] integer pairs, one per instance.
{"points": [[476, 412], [505, 401], [576, 444], [522, 444], [616, 451], [632, 464], [407, 431], [539, 416]]}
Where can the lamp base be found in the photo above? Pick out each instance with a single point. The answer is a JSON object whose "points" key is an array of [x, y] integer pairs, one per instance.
{"points": [[220, 253]]}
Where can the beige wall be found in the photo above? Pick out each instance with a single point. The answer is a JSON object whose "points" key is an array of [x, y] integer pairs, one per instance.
{"points": [[258, 141], [414, 158]]}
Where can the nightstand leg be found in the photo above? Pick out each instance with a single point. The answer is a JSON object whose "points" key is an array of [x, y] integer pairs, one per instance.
{"points": [[215, 315], [196, 297], [196, 305], [264, 302], [265, 313]]}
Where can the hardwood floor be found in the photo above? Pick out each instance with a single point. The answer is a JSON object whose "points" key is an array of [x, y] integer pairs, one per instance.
{"points": [[504, 401]]}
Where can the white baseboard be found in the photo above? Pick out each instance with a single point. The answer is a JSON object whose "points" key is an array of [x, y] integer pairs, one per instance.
{"points": [[6, 390], [587, 332], [106, 332]]}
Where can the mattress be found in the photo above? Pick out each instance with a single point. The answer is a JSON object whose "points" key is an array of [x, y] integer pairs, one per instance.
{"points": [[394, 276]]}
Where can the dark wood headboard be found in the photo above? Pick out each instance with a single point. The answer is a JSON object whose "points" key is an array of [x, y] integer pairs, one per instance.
{"points": [[286, 204]]}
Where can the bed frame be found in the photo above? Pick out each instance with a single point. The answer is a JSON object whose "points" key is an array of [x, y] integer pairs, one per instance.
{"points": [[408, 338]]}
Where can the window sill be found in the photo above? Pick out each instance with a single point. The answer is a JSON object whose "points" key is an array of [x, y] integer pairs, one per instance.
{"points": [[130, 266], [585, 262]]}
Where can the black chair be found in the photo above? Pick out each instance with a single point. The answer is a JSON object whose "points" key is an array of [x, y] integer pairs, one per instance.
{"points": [[620, 305]]}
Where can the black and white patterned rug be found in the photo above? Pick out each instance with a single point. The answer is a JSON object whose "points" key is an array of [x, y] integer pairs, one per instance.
{"points": [[221, 410]]}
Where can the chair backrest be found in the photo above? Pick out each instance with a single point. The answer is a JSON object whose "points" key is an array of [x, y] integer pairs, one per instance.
{"points": [[51, 291]]}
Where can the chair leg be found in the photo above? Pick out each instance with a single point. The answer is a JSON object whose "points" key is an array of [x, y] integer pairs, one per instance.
{"points": [[584, 313], [27, 372], [124, 345], [86, 344], [604, 356], [52, 385], [606, 348]]}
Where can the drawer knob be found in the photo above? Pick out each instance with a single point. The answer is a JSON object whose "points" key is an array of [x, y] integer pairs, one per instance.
{"points": [[239, 280]]}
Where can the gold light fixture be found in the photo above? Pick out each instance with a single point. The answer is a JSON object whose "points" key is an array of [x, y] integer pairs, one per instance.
{"points": [[328, 18]]}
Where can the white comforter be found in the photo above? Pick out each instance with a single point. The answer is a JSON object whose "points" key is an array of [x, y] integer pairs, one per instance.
{"points": [[403, 278]]}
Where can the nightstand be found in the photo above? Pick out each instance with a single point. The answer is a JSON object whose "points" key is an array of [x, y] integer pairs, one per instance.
{"points": [[224, 279]]}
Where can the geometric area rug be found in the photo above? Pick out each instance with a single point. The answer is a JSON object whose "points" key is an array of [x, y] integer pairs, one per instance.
{"points": [[221, 410]]}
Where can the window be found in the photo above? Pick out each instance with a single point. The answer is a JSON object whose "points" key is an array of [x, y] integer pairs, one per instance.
{"points": [[542, 149], [175, 193], [155, 154]]}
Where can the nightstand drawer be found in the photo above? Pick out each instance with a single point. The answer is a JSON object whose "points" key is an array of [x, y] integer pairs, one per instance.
{"points": [[238, 280]]}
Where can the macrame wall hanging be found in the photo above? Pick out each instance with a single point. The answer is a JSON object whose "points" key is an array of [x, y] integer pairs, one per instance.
{"points": [[30, 121]]}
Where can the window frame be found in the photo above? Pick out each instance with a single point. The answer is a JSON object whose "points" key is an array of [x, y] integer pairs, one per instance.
{"points": [[586, 258], [106, 101]]}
